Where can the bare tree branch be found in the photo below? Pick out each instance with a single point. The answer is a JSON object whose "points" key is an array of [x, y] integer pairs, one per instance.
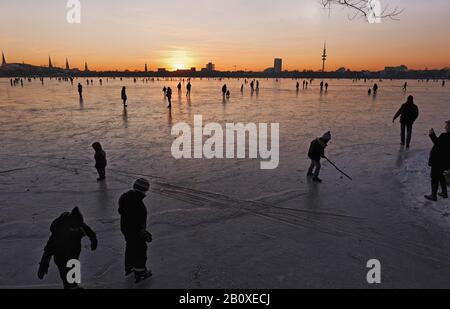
{"points": [[367, 9]]}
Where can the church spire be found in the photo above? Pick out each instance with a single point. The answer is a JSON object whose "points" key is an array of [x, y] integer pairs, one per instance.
{"points": [[50, 64], [86, 67], [67, 64], [3, 59]]}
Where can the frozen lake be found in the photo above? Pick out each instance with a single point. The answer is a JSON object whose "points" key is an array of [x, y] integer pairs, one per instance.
{"points": [[226, 223]]}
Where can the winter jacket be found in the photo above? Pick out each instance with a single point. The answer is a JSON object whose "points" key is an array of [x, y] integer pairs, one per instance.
{"points": [[317, 149], [124, 95], [408, 113], [133, 220], [440, 154], [65, 242], [100, 160]]}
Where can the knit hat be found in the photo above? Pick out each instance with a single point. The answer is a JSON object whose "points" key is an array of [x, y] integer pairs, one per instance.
{"points": [[326, 137], [76, 218], [141, 185]]}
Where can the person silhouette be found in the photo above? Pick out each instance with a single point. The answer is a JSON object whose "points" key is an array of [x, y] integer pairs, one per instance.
{"points": [[228, 94], [409, 112], [188, 88], [224, 90], [179, 87], [369, 92], [124, 96], [169, 97], [80, 90], [405, 87], [242, 88], [321, 86], [375, 89], [326, 87], [64, 244], [133, 225], [439, 162]]}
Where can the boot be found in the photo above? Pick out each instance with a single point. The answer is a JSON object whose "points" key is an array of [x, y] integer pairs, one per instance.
{"points": [[317, 179], [142, 275], [431, 198]]}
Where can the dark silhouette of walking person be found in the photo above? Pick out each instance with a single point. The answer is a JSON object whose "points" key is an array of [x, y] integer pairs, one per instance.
{"points": [[439, 163], [100, 161], [224, 90], [179, 87], [316, 153], [252, 85], [321, 86], [133, 224], [297, 86], [375, 89], [169, 97], [165, 92], [326, 87], [304, 83], [65, 244], [369, 92], [124, 96], [188, 88], [242, 88], [80, 90], [257, 85], [443, 83], [408, 113], [405, 87]]}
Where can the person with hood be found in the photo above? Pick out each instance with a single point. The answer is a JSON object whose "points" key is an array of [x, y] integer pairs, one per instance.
{"points": [[439, 163], [65, 244], [100, 161], [408, 113], [316, 153], [133, 224], [124, 96]]}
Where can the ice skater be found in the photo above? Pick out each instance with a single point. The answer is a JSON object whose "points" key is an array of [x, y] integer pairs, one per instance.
{"points": [[65, 244], [297, 86], [326, 87], [100, 161], [224, 90], [124, 97], [133, 224], [179, 88], [316, 153], [169, 97], [405, 87], [439, 163], [80, 90], [375, 89], [321, 86], [188, 89], [408, 113]]}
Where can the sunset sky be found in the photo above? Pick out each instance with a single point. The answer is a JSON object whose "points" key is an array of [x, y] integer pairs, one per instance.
{"points": [[248, 34]]}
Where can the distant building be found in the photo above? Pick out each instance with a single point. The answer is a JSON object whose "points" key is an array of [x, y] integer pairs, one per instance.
{"points": [[50, 64], [3, 59], [342, 70], [396, 70], [278, 65], [210, 67], [146, 68], [193, 69], [162, 70], [86, 68], [67, 64]]}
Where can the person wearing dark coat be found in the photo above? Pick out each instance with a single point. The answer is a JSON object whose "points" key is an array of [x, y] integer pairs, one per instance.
{"points": [[80, 90], [408, 113], [316, 153], [124, 96], [169, 97], [439, 163], [65, 244], [100, 161], [133, 224]]}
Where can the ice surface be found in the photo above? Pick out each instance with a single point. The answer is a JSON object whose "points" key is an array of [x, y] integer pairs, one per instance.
{"points": [[225, 223]]}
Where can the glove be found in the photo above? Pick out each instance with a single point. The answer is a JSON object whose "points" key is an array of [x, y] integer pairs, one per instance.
{"points": [[94, 244], [42, 271], [147, 237]]}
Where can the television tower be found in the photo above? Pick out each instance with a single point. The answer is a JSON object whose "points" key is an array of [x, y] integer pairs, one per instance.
{"points": [[324, 56]]}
